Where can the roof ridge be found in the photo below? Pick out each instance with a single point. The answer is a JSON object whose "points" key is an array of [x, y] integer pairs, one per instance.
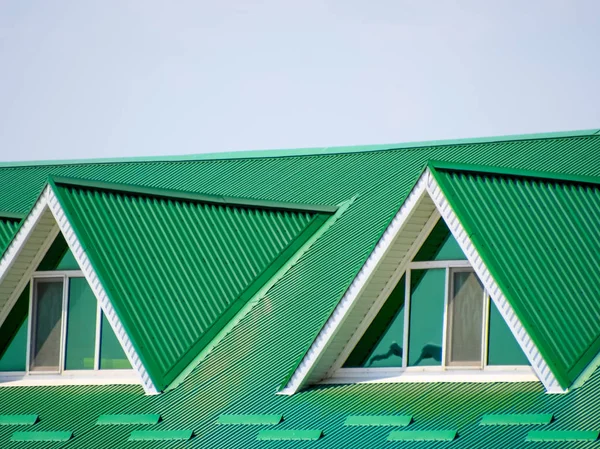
{"points": [[189, 196], [515, 172], [315, 151]]}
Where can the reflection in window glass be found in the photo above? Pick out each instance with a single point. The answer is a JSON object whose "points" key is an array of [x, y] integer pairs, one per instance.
{"points": [[112, 355], [387, 353], [81, 326], [426, 317], [465, 320], [14, 358], [47, 321], [503, 349]]}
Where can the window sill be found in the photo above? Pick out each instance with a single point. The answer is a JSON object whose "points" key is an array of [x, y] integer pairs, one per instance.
{"points": [[105, 377], [432, 374]]}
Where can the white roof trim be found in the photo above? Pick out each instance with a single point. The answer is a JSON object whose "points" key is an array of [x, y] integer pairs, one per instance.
{"points": [[47, 203], [426, 185], [90, 274], [17, 245], [529, 348], [384, 294], [328, 331]]}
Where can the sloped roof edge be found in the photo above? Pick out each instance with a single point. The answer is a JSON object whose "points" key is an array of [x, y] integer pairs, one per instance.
{"points": [[256, 154], [513, 172], [189, 196]]}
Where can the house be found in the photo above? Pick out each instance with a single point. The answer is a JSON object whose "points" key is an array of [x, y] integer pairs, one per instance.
{"points": [[441, 294]]}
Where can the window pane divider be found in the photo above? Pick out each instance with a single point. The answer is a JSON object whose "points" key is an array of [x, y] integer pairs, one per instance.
{"points": [[63, 327], [439, 264], [29, 328], [406, 319], [58, 273], [486, 328], [447, 286], [98, 336]]}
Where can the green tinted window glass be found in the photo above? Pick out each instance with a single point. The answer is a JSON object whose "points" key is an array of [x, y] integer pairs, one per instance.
{"points": [[81, 326], [382, 343], [58, 257], [450, 250], [503, 349], [388, 350], [440, 245], [68, 262], [465, 318], [15, 356], [426, 317], [112, 355], [46, 324]]}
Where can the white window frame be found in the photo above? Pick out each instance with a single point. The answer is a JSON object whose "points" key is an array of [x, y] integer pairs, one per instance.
{"points": [[443, 372], [64, 376], [448, 318]]}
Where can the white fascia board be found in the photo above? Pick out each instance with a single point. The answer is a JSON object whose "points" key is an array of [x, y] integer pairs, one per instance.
{"points": [[90, 274], [15, 247], [431, 374], [302, 373], [538, 363], [385, 293]]}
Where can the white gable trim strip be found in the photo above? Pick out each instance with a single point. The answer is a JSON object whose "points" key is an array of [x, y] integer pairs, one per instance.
{"points": [[16, 246], [92, 278], [328, 331], [535, 358], [383, 296]]}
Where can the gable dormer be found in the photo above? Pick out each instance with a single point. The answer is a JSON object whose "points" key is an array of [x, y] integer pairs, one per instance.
{"points": [[166, 272], [531, 241]]}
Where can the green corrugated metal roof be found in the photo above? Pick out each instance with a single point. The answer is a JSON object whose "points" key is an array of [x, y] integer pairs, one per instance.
{"points": [[160, 435], [562, 435], [241, 374], [42, 436], [108, 420], [8, 227], [516, 419], [540, 238], [422, 435], [289, 435], [177, 269], [378, 420], [18, 420], [251, 420]]}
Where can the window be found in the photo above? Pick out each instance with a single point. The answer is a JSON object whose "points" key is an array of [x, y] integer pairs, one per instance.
{"points": [[465, 319], [68, 331], [438, 318], [57, 332], [46, 325]]}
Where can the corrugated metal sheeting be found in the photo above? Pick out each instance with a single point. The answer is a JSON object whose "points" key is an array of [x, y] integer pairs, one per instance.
{"points": [[8, 228], [540, 239], [241, 374], [177, 270]]}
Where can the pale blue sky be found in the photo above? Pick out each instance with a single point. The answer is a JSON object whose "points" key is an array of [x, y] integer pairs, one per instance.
{"points": [[131, 78]]}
